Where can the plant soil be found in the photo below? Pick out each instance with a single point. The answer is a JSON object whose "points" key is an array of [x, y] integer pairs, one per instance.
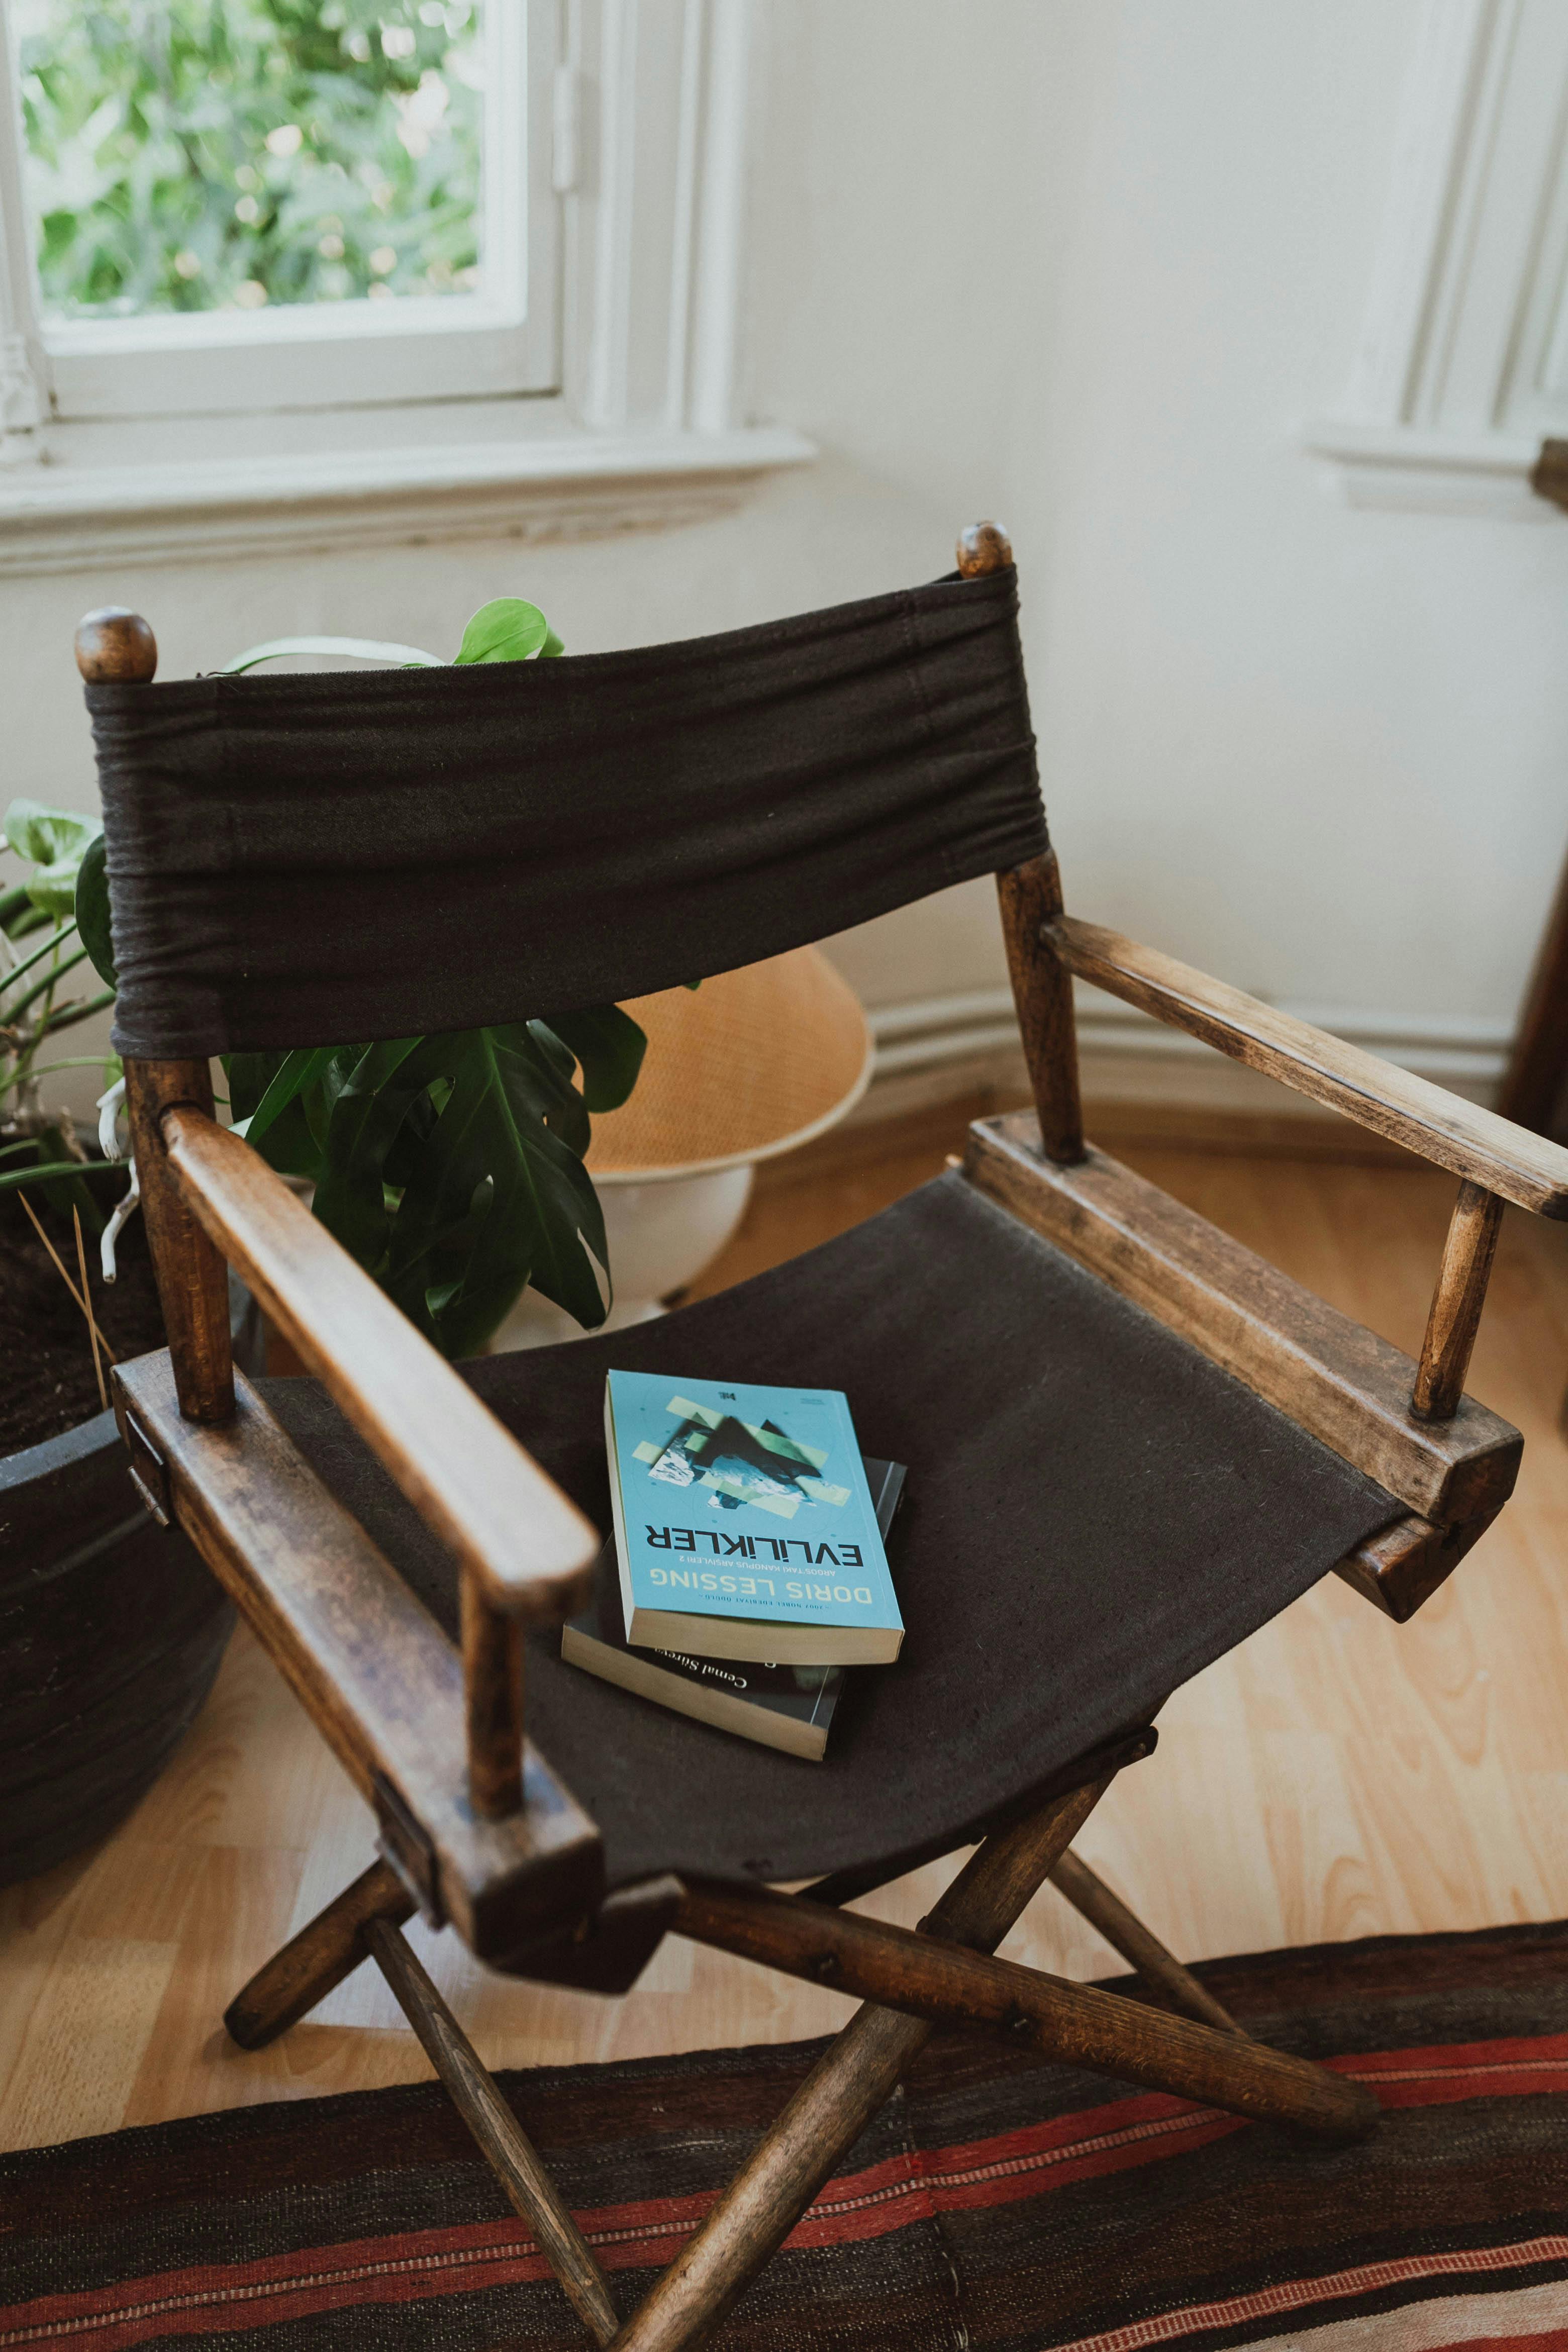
{"points": [[47, 1381]]}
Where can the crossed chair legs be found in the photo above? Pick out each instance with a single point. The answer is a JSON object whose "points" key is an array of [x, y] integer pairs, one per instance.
{"points": [[909, 1983]]}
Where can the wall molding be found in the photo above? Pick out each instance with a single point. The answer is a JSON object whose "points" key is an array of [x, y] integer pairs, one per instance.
{"points": [[55, 519], [1396, 468], [976, 1026]]}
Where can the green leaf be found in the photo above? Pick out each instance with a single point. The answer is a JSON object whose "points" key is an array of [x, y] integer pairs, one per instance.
{"points": [[45, 949], [69, 1192], [507, 630], [248, 1076], [92, 911], [290, 1147], [404, 1154], [297, 1071], [495, 1199], [450, 1166], [319, 1095], [437, 1219], [12, 1179], [553, 1070], [72, 1012], [43, 834], [610, 1047], [365, 1123], [55, 841], [59, 966], [547, 1183]]}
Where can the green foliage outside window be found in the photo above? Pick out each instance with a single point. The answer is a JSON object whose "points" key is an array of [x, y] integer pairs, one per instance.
{"points": [[217, 154]]}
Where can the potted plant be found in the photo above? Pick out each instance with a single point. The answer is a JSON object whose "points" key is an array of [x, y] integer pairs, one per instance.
{"points": [[110, 1629], [450, 1166]]}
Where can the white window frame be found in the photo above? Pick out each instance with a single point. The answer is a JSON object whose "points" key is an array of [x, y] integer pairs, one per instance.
{"points": [[503, 342], [1462, 369], [612, 401]]}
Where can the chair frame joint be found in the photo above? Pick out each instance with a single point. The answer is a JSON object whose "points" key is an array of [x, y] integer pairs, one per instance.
{"points": [[149, 1470]]}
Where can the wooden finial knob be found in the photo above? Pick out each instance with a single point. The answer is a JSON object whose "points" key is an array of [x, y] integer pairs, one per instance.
{"points": [[115, 647], [983, 547]]}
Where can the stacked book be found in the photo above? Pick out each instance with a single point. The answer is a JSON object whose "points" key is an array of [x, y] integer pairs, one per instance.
{"points": [[747, 1568]]}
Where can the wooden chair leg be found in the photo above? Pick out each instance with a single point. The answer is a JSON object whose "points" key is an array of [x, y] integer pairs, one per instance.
{"points": [[1125, 1933], [844, 2090], [505, 2146], [320, 1956], [926, 1977], [933, 1984]]}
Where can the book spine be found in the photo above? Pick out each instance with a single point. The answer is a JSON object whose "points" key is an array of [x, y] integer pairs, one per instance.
{"points": [[618, 1515]]}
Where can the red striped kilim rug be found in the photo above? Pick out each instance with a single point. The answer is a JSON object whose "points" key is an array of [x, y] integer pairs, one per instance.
{"points": [[995, 2206]]}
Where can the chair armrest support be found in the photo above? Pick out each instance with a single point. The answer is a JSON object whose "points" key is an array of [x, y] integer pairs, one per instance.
{"points": [[195, 1306], [524, 1545], [1475, 1144], [492, 1696]]}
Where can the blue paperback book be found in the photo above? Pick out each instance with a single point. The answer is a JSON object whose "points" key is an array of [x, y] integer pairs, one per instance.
{"points": [[744, 1527]]}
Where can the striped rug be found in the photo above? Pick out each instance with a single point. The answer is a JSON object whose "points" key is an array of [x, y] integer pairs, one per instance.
{"points": [[995, 2205]]}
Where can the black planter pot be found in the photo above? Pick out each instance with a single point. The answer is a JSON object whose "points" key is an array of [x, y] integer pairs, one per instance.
{"points": [[110, 1632]]}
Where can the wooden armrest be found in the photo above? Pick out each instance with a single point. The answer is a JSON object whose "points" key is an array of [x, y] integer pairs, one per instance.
{"points": [[1473, 1143], [1343, 1384], [368, 1662], [527, 1545]]}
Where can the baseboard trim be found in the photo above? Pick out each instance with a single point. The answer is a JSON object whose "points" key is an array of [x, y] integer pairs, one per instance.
{"points": [[1453, 1049], [941, 1061]]}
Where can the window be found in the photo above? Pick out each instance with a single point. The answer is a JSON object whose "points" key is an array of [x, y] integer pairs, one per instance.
{"points": [[276, 275], [227, 200], [1463, 364]]}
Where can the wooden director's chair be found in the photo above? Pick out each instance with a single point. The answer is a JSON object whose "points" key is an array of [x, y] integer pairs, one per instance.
{"points": [[1129, 1440]]}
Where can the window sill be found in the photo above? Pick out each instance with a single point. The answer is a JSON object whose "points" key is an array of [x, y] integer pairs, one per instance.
{"points": [[74, 509], [1402, 468]]}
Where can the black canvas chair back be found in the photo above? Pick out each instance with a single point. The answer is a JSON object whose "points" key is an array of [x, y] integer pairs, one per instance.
{"points": [[331, 858], [1129, 1440]]}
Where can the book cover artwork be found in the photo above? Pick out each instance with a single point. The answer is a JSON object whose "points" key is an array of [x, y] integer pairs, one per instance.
{"points": [[740, 1509]]}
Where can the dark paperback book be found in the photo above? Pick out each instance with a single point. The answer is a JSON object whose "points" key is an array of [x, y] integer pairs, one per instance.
{"points": [[788, 1708]]}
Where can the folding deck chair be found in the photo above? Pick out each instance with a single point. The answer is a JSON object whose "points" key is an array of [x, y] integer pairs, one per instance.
{"points": [[1129, 1440]]}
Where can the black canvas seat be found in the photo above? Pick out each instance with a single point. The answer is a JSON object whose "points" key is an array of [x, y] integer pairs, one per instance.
{"points": [[1056, 1583]]}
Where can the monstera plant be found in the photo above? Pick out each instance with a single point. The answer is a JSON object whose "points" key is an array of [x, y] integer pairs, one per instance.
{"points": [[451, 1167]]}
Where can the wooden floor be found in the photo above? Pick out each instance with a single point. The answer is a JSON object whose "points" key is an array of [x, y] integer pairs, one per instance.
{"points": [[1336, 1777]]}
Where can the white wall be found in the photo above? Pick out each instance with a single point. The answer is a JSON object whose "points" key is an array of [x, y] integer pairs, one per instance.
{"points": [[1086, 264], [1325, 749], [1094, 264]]}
